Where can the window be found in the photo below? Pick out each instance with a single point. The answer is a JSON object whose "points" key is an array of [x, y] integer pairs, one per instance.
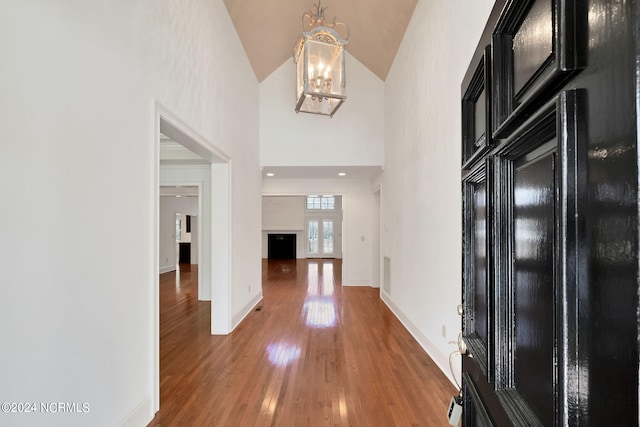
{"points": [[325, 203]]}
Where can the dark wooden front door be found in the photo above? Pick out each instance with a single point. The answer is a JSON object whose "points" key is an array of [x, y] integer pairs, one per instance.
{"points": [[550, 211]]}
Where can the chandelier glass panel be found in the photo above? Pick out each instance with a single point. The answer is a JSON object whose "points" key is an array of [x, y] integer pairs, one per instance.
{"points": [[319, 59]]}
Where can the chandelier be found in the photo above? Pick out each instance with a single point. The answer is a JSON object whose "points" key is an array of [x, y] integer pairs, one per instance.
{"points": [[319, 59]]}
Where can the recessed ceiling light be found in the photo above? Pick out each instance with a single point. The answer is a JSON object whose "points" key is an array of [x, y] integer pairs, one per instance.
{"points": [[270, 174], [177, 195], [342, 174]]}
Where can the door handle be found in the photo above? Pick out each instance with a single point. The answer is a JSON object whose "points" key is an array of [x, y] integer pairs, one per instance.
{"points": [[462, 346]]}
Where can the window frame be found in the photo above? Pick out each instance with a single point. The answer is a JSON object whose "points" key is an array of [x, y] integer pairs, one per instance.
{"points": [[322, 201]]}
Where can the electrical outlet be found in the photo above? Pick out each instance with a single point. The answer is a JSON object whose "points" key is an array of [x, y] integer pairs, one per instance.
{"points": [[444, 331], [249, 288]]}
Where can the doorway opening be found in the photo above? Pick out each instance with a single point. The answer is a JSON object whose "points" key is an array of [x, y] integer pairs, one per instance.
{"points": [[186, 243], [321, 241], [179, 233], [185, 158], [323, 226]]}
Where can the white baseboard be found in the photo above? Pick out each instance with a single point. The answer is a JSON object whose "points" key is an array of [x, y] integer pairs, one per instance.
{"points": [[140, 416], [245, 311], [440, 359], [167, 269], [362, 282]]}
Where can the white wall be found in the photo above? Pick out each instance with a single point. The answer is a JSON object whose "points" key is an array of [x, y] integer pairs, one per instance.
{"points": [[356, 222], [281, 213], [420, 195], [77, 117], [353, 136]]}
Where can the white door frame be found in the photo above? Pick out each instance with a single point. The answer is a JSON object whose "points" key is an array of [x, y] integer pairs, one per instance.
{"points": [[219, 255]]}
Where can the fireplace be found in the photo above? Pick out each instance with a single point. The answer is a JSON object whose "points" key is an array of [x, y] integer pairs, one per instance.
{"points": [[282, 246]]}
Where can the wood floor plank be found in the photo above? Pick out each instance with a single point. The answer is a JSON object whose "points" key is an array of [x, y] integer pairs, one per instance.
{"points": [[316, 354]]}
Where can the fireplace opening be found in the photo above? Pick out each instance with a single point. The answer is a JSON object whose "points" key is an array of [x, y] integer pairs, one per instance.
{"points": [[282, 246]]}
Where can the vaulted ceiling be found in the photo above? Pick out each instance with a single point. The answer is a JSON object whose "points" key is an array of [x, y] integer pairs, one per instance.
{"points": [[269, 29]]}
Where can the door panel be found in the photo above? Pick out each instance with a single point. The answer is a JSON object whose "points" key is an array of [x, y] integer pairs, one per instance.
{"points": [[531, 214], [537, 45], [480, 260], [321, 238], [474, 411], [313, 238], [478, 323], [327, 238], [534, 207]]}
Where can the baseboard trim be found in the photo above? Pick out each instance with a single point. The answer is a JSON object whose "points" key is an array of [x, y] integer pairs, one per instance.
{"points": [[167, 269], [237, 319], [140, 416], [439, 359], [362, 282]]}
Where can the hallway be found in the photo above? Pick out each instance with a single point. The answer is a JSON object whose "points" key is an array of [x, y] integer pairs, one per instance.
{"points": [[314, 354]]}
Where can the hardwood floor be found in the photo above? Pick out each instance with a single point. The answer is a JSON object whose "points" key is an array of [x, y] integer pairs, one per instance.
{"points": [[315, 354]]}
